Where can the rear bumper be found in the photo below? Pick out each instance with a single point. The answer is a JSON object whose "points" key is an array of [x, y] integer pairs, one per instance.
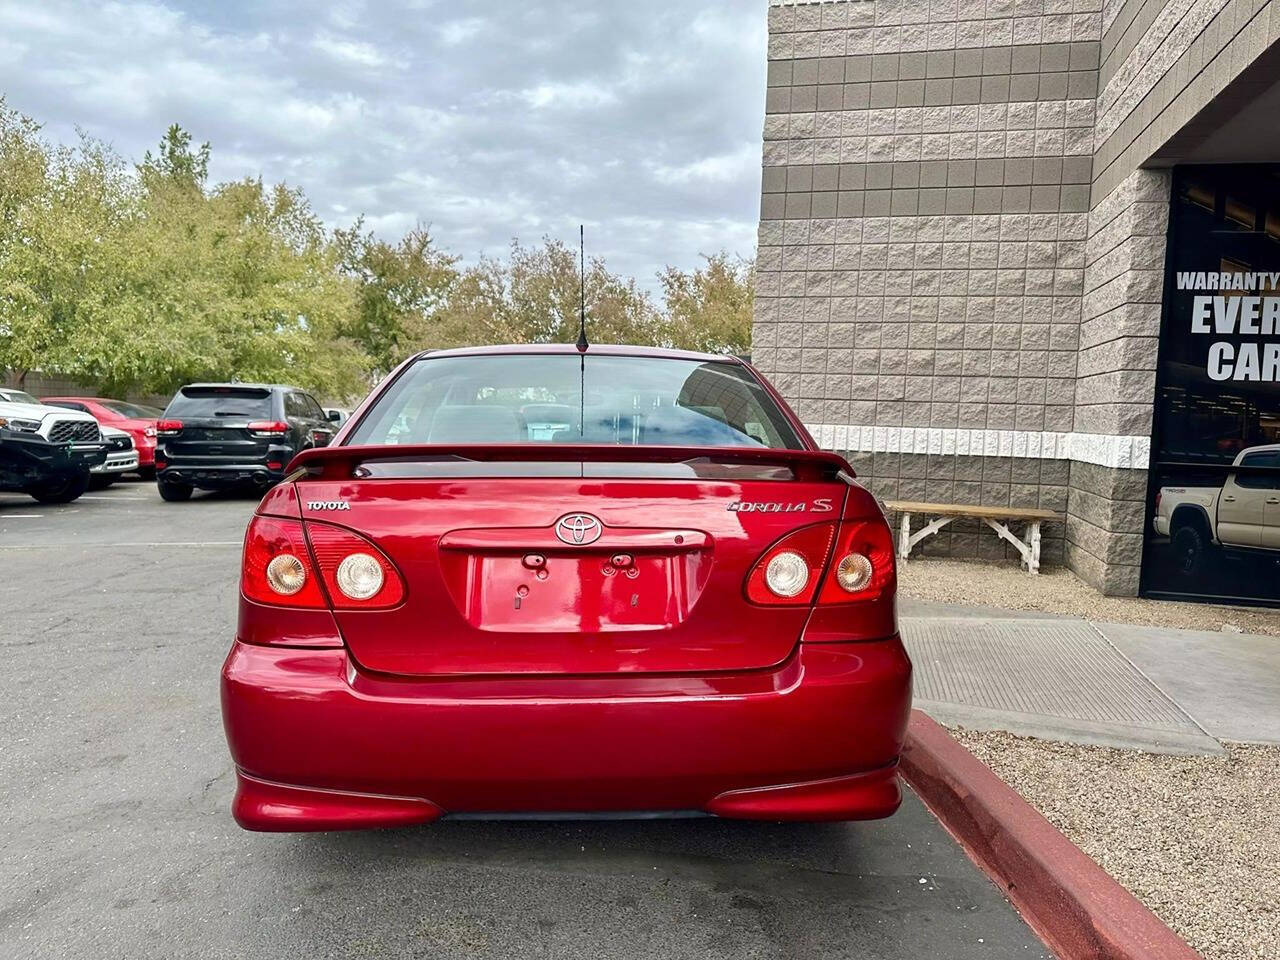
{"points": [[121, 462], [320, 745], [213, 476]]}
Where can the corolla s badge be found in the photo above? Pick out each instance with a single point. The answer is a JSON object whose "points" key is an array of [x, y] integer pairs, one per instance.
{"points": [[579, 529]]}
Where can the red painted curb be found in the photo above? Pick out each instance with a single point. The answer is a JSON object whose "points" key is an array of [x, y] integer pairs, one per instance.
{"points": [[1079, 911]]}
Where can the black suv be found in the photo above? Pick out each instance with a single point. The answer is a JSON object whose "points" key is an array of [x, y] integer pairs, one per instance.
{"points": [[219, 435]]}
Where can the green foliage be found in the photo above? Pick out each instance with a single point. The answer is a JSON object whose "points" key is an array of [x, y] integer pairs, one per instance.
{"points": [[710, 309], [400, 289], [61, 214], [148, 279], [176, 162], [144, 278], [533, 297], [237, 282]]}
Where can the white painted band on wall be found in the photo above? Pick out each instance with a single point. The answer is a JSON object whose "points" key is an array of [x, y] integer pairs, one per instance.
{"points": [[1128, 453]]}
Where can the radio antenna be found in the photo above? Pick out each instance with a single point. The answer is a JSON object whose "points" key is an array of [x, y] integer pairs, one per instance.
{"points": [[582, 289]]}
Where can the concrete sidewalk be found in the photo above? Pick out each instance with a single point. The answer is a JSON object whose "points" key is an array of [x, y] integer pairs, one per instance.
{"points": [[1152, 688]]}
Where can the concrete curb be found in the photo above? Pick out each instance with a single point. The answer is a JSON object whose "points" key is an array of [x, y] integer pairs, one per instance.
{"points": [[1079, 911]]}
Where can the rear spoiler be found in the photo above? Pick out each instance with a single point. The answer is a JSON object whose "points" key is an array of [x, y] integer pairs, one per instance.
{"points": [[339, 463]]}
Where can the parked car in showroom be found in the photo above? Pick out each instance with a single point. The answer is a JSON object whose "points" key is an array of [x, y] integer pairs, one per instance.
{"points": [[48, 452], [215, 436], [136, 419], [1242, 516], [121, 458], [623, 582]]}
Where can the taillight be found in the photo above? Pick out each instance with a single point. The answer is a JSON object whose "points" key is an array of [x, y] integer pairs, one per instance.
{"points": [[168, 428], [1159, 493], [790, 570], [347, 572], [277, 568], [357, 575], [862, 567], [268, 428]]}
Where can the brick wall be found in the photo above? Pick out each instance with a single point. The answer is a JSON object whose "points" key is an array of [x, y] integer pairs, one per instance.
{"points": [[924, 218], [1163, 62]]}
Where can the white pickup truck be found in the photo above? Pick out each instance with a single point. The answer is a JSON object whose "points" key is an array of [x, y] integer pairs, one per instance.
{"points": [[46, 451], [1242, 514]]}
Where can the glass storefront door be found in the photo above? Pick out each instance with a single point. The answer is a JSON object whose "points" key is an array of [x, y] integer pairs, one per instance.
{"points": [[1213, 510]]}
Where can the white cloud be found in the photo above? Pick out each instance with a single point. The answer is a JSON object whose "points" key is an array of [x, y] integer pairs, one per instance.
{"points": [[734, 167], [573, 96], [349, 51], [460, 31], [518, 119]]}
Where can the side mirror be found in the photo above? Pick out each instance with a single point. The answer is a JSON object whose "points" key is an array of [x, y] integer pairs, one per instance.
{"points": [[334, 416]]}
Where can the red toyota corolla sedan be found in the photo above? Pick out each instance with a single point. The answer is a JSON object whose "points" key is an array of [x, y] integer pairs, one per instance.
{"points": [[528, 582], [133, 418]]}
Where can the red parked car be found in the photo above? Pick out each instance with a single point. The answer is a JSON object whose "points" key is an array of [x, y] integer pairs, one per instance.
{"points": [[135, 419], [528, 581]]}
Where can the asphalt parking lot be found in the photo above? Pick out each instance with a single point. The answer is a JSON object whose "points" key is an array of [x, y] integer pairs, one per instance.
{"points": [[116, 612]]}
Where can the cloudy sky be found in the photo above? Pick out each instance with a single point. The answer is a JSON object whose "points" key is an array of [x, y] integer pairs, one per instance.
{"points": [[485, 120]]}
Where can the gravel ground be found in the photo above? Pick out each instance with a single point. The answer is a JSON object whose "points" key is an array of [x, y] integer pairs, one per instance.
{"points": [[1058, 590], [1194, 838]]}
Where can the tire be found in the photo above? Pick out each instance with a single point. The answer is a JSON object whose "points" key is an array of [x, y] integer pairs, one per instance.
{"points": [[1188, 549], [99, 481], [174, 492], [66, 488]]}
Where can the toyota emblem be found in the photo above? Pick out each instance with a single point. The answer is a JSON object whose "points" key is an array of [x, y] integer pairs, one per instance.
{"points": [[579, 529]]}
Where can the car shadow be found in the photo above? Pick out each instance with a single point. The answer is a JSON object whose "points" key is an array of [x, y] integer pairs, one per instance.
{"points": [[819, 850]]}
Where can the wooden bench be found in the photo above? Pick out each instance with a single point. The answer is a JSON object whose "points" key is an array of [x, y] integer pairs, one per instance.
{"points": [[997, 518]]}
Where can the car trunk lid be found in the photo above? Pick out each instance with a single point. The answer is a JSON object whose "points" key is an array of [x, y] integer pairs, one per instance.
{"points": [[546, 560]]}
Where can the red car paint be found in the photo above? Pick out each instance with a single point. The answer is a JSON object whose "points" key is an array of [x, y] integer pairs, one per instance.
{"points": [[506, 669], [142, 430]]}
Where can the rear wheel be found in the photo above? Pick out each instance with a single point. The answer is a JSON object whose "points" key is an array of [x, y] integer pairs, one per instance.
{"points": [[64, 489], [174, 492], [1188, 549]]}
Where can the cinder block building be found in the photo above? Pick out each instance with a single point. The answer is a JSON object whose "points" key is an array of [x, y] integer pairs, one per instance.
{"points": [[966, 269]]}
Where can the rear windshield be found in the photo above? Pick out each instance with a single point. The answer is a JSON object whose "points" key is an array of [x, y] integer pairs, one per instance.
{"points": [[560, 398], [134, 411], [220, 402]]}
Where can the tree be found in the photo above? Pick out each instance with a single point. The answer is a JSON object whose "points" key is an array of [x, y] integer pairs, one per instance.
{"points": [[710, 309], [533, 297], [62, 212], [145, 279], [238, 282], [400, 288], [176, 162]]}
